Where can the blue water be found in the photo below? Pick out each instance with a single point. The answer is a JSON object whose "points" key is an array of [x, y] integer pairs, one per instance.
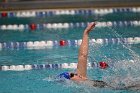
{"points": [[119, 57]]}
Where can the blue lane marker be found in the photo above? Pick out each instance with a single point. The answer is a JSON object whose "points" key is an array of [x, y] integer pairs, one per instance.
{"points": [[15, 45], [54, 65], [23, 45], [71, 25], [11, 14], [47, 66], [49, 13], [40, 26], [55, 43], [38, 14], [129, 23], [35, 66], [8, 45], [42, 66], [72, 43], [110, 40]]}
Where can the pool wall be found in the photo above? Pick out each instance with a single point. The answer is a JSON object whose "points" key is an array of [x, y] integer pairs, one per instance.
{"points": [[62, 4]]}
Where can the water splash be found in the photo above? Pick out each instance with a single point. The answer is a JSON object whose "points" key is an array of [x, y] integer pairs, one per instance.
{"points": [[123, 61], [133, 54]]}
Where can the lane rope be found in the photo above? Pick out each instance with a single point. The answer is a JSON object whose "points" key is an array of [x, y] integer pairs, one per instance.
{"points": [[101, 65], [44, 66], [55, 43], [45, 13], [33, 27]]}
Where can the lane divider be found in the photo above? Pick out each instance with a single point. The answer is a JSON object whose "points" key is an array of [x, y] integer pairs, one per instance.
{"points": [[101, 65], [44, 66], [51, 44], [45, 13], [33, 27]]}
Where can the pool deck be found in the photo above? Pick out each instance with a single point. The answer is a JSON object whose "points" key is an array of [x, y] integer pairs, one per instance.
{"points": [[65, 4]]}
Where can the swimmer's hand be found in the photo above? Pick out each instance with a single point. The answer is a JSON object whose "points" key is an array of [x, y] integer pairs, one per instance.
{"points": [[90, 27]]}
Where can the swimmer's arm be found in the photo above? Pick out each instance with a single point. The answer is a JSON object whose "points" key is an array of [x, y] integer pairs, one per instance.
{"points": [[83, 52]]}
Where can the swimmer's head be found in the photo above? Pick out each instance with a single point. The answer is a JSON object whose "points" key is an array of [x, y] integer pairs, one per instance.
{"points": [[65, 75]]}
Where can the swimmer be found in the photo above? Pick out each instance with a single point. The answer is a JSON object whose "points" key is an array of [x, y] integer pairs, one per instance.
{"points": [[81, 72], [80, 76]]}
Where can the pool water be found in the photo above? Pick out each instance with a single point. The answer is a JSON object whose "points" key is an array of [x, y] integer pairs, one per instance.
{"points": [[123, 59]]}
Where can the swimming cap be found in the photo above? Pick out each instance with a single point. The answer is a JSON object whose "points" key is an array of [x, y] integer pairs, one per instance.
{"points": [[64, 75]]}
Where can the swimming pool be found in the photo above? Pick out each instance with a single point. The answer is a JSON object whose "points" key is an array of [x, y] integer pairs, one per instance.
{"points": [[31, 54]]}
